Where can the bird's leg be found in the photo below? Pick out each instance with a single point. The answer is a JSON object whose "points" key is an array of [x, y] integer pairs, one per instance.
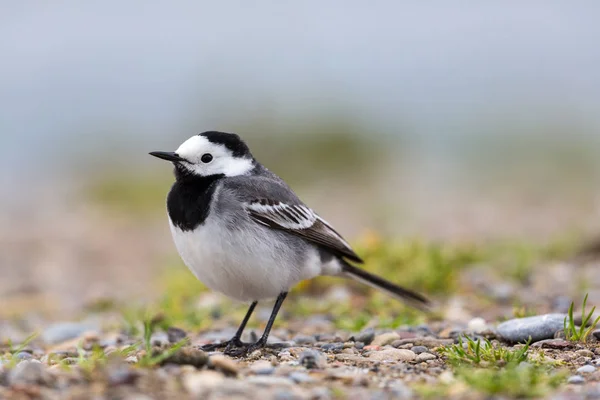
{"points": [[235, 341], [263, 339]]}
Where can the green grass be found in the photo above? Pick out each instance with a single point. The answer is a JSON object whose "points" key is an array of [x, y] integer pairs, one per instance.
{"points": [[580, 333], [517, 381], [10, 356], [493, 370], [483, 352]]}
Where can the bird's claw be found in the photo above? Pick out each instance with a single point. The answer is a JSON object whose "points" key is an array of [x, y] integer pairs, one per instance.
{"points": [[233, 343], [234, 350]]}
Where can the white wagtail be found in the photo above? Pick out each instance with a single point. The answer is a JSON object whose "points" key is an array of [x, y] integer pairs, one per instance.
{"points": [[243, 232]]}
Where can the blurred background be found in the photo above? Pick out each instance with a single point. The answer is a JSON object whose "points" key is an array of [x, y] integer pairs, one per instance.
{"points": [[398, 121]]}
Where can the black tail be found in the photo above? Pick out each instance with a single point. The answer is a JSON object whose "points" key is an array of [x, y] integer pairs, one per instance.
{"points": [[412, 298]]}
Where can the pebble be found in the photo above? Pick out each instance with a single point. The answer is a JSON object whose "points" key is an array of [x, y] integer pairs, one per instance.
{"points": [[585, 353], [426, 357], [263, 380], [262, 368], [122, 375], [159, 339], [419, 349], [553, 344], [393, 355], [576, 380], [175, 335], [304, 339], [384, 339], [596, 334], [197, 383], [188, 356], [539, 327], [586, 369], [333, 347], [225, 364], [23, 355], [477, 325], [28, 372], [366, 336], [61, 332], [312, 359], [301, 377]]}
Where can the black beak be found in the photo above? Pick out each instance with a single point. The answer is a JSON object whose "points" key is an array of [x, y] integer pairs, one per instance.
{"points": [[167, 155]]}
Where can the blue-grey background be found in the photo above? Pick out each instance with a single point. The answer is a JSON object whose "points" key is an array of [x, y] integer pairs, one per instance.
{"points": [[79, 78]]}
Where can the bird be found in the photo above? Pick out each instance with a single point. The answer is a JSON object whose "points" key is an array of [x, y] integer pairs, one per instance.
{"points": [[243, 232]]}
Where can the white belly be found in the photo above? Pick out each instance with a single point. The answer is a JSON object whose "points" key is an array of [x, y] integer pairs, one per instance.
{"points": [[242, 265]]}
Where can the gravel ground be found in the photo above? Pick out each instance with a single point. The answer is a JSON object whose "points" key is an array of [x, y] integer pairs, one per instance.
{"points": [[73, 276]]}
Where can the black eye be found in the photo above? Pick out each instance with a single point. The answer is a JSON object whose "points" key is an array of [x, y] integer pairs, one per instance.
{"points": [[206, 158]]}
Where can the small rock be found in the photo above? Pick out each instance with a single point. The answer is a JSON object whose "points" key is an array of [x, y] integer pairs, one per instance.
{"points": [[225, 364], [596, 334], [188, 356], [477, 325], [304, 339], [423, 341], [122, 375], [61, 332], [393, 355], [576, 380], [586, 369], [425, 357], [333, 347], [175, 334], [262, 368], [23, 355], [366, 336], [585, 353], [312, 359], [131, 360], [553, 344], [198, 383], [384, 339], [418, 349], [269, 380], [539, 327], [301, 377], [159, 339], [28, 372]]}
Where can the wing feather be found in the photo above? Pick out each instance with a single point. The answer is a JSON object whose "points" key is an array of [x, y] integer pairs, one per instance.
{"points": [[300, 220]]}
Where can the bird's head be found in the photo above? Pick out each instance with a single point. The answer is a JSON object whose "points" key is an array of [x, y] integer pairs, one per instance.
{"points": [[209, 154]]}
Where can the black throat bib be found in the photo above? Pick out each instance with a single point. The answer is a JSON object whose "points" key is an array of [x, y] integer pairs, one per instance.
{"points": [[188, 202]]}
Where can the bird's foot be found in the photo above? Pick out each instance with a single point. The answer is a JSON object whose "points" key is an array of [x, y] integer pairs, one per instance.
{"points": [[240, 351], [232, 343]]}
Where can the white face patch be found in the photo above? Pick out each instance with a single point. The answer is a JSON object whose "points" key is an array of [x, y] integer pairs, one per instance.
{"points": [[223, 162]]}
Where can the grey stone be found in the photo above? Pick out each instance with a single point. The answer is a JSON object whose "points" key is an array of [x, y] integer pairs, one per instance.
{"points": [[159, 339], [539, 327], [366, 336], [426, 357], [61, 332], [333, 347], [304, 339], [576, 380], [586, 369], [301, 377], [419, 349], [385, 338], [312, 359], [23, 355], [175, 334], [262, 368], [28, 372], [263, 380]]}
